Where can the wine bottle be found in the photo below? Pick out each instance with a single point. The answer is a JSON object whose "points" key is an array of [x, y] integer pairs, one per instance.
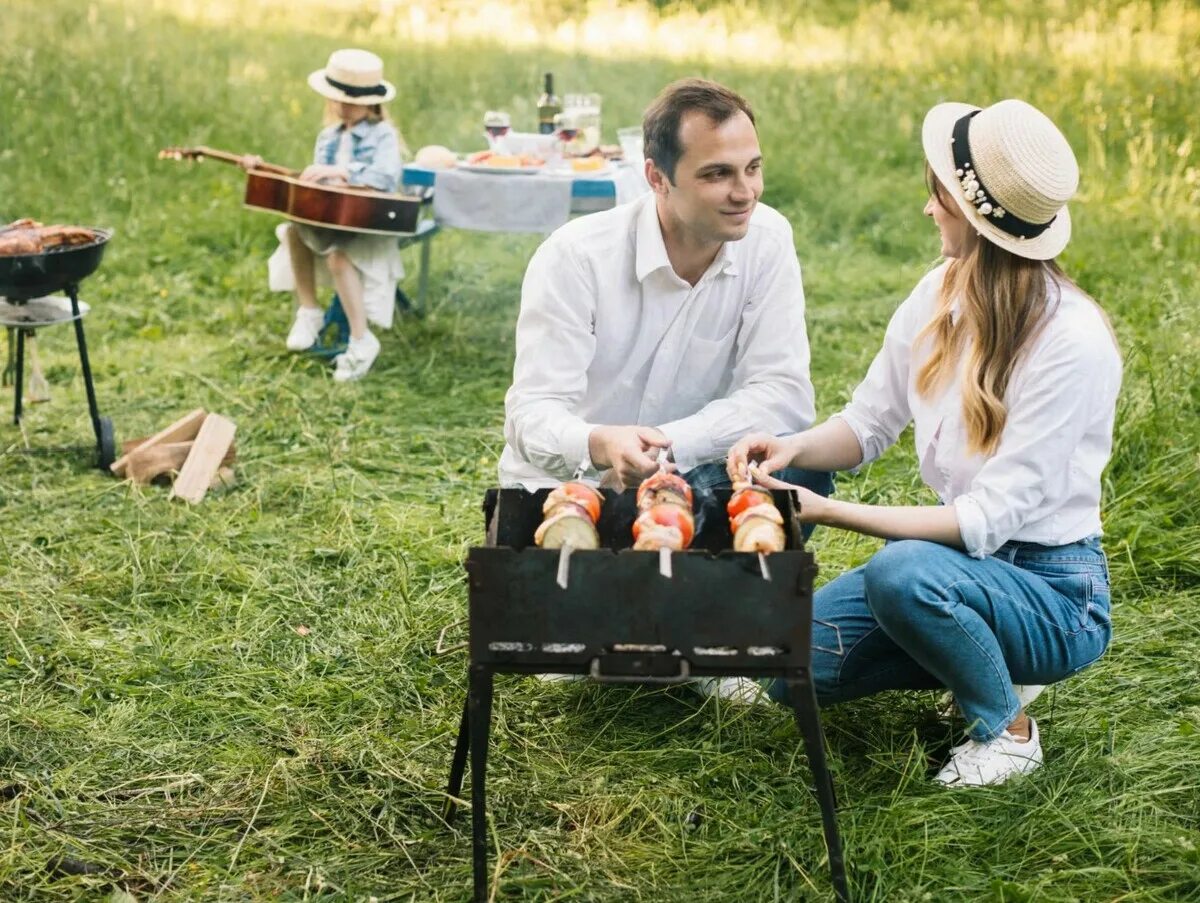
{"points": [[548, 106]]}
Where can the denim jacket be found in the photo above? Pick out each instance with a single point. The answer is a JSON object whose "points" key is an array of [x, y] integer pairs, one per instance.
{"points": [[376, 153]]}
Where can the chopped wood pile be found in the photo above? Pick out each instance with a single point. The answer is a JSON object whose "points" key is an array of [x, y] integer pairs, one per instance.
{"points": [[196, 453]]}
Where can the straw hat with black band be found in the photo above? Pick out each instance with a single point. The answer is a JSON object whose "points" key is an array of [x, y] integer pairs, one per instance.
{"points": [[353, 76], [1009, 169]]}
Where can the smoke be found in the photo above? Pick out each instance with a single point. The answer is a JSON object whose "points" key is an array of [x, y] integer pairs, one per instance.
{"points": [[703, 500]]}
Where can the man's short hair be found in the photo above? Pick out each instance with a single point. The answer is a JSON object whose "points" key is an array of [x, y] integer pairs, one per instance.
{"points": [[660, 125]]}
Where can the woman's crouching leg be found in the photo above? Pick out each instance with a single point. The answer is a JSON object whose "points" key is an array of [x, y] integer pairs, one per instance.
{"points": [[851, 656]]}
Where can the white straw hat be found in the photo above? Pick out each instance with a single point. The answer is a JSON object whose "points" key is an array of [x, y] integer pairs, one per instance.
{"points": [[1009, 169], [353, 76]]}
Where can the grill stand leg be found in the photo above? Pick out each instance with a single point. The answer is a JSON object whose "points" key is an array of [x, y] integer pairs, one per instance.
{"points": [[18, 383], [804, 703], [105, 443], [458, 766], [479, 703]]}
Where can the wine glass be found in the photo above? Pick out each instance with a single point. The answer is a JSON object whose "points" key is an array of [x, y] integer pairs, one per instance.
{"points": [[496, 125]]}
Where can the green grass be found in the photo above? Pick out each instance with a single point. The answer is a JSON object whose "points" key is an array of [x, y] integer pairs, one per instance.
{"points": [[162, 719]]}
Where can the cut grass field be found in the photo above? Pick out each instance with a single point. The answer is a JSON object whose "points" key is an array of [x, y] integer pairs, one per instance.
{"points": [[167, 729]]}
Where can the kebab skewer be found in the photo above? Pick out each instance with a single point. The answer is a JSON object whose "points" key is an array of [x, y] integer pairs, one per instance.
{"points": [[755, 522], [570, 513], [665, 521]]}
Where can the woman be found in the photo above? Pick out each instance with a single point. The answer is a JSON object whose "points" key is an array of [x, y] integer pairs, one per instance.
{"points": [[1010, 374], [357, 146]]}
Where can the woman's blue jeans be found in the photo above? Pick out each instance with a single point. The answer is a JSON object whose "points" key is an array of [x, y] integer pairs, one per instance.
{"points": [[920, 615]]}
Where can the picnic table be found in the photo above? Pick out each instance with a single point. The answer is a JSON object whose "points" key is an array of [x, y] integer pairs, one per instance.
{"points": [[522, 201]]}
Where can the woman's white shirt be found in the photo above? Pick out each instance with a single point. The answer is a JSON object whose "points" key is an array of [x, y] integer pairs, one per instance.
{"points": [[1042, 484]]}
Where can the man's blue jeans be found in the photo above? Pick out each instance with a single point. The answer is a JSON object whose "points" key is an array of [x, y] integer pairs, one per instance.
{"points": [[920, 615], [713, 476]]}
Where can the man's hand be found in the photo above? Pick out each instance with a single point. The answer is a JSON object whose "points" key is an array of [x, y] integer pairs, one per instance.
{"points": [[770, 453], [320, 172], [631, 451]]}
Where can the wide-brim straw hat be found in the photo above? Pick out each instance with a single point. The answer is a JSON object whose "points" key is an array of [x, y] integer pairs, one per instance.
{"points": [[1009, 169], [353, 76]]}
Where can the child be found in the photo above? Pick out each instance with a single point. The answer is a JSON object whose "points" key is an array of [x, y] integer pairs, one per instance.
{"points": [[358, 146]]}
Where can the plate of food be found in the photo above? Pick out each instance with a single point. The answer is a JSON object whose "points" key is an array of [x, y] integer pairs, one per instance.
{"points": [[511, 164], [591, 167]]}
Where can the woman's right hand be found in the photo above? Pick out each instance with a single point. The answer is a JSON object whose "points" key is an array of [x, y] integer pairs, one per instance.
{"points": [[770, 453], [250, 161]]}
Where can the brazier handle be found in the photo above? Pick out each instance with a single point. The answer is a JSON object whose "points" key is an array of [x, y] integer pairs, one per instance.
{"points": [[684, 673]]}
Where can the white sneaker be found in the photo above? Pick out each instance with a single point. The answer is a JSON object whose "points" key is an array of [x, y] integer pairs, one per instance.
{"points": [[975, 764], [356, 360], [739, 690], [305, 328]]}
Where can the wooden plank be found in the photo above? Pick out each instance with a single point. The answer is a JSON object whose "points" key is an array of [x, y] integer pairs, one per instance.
{"points": [[145, 464], [130, 445], [155, 460], [204, 460], [184, 429]]}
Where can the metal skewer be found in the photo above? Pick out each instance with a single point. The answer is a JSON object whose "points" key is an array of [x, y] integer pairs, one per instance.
{"points": [[564, 564], [664, 554], [751, 471]]}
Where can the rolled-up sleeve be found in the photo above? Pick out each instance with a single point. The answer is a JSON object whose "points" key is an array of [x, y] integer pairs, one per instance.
{"points": [[555, 346], [1050, 407], [771, 390]]}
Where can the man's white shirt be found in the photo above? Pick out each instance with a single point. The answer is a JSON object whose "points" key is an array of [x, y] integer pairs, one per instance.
{"points": [[609, 334]]}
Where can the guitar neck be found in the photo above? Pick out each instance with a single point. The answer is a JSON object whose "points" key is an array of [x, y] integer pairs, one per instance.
{"points": [[236, 160]]}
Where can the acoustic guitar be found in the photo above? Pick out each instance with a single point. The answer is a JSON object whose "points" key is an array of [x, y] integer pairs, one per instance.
{"points": [[277, 189]]}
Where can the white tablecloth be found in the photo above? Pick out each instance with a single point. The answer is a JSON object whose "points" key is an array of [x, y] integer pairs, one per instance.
{"points": [[518, 202]]}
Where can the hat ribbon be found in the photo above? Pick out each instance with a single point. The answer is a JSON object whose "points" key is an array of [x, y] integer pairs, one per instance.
{"points": [[354, 90], [976, 193]]}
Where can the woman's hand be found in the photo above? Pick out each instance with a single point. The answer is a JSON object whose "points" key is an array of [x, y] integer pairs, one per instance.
{"points": [[322, 172], [769, 453], [814, 508], [250, 162]]}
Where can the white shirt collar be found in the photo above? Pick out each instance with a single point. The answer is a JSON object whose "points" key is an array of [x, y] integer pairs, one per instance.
{"points": [[652, 250]]}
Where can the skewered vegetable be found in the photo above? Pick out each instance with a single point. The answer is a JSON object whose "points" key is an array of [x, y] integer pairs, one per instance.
{"points": [[754, 521], [571, 511], [665, 502]]}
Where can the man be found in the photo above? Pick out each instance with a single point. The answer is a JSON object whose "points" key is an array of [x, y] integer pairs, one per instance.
{"points": [[671, 324]]}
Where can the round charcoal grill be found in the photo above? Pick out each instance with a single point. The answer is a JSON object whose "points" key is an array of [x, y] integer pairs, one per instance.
{"points": [[24, 277]]}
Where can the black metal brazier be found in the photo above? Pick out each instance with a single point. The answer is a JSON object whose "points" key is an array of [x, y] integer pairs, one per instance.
{"points": [[620, 620], [25, 276], [60, 269]]}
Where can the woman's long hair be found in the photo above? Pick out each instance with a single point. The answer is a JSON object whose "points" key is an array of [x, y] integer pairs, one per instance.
{"points": [[1005, 302]]}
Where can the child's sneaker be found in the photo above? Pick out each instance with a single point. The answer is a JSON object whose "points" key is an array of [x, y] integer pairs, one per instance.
{"points": [[305, 328], [356, 360], [975, 764]]}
